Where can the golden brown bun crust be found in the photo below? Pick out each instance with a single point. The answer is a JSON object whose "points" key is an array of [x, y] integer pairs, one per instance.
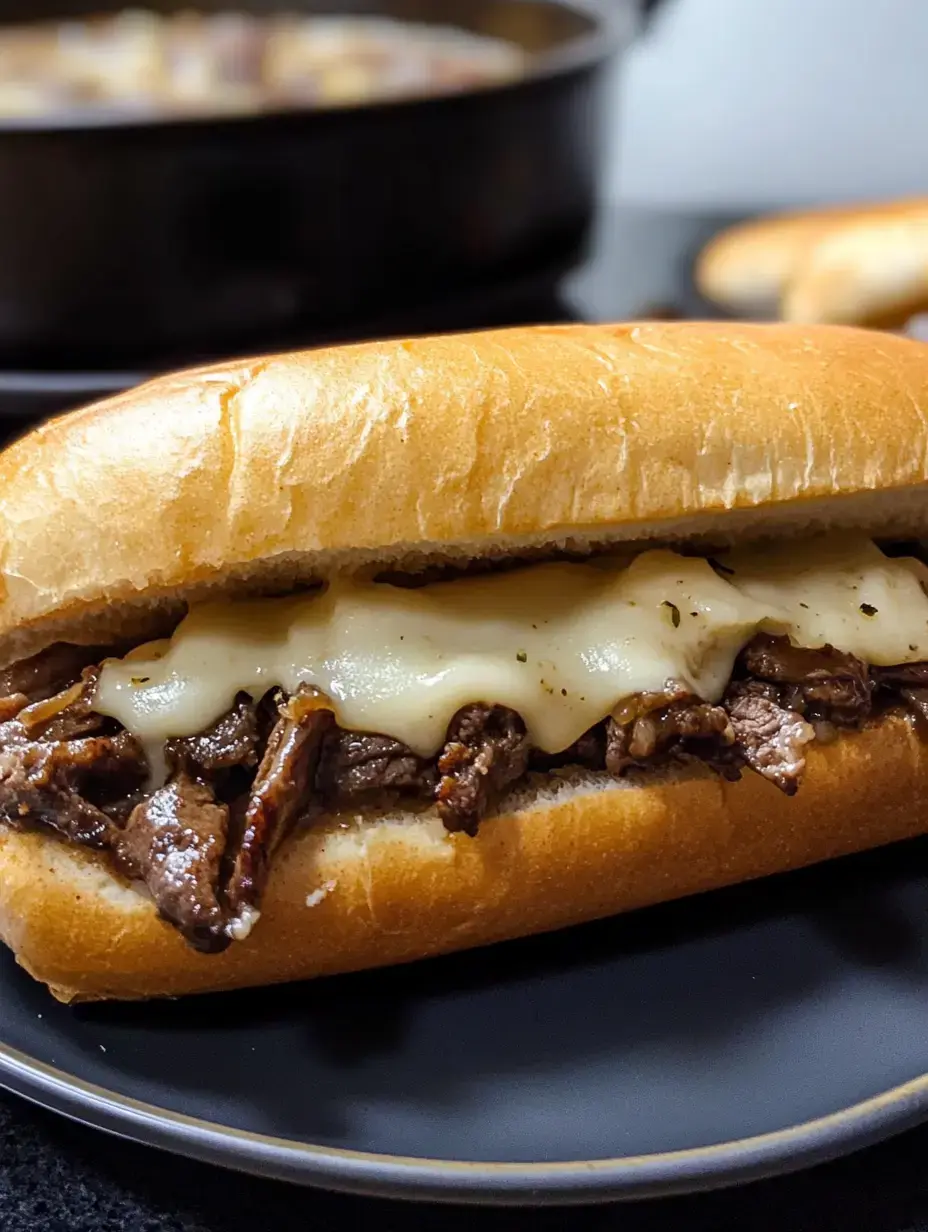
{"points": [[404, 891], [287, 466], [856, 265]]}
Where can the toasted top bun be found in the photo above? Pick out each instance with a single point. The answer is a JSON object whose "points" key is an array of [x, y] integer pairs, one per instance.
{"points": [[856, 265], [261, 474]]}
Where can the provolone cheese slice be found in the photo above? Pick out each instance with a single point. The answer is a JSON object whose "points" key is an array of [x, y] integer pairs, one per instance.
{"points": [[562, 644], [841, 592]]}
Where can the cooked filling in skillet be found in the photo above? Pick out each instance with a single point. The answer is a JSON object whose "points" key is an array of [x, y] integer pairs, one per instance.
{"points": [[146, 64], [189, 760]]}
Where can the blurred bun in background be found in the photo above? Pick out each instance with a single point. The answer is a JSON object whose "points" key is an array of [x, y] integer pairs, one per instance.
{"points": [[855, 265]]}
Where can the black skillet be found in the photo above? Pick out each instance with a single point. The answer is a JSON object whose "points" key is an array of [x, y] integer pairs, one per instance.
{"points": [[124, 240]]}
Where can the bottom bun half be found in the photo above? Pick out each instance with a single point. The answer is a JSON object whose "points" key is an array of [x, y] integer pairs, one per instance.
{"points": [[362, 891]]}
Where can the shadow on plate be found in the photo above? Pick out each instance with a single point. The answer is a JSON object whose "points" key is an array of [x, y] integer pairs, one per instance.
{"points": [[849, 904]]}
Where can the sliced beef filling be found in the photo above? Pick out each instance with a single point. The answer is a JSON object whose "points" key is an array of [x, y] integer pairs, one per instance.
{"points": [[175, 842], [357, 770], [770, 737], [280, 792], [51, 670], [487, 751], [66, 715], [908, 681], [782, 696], [63, 784], [203, 842], [233, 741], [819, 684], [656, 727]]}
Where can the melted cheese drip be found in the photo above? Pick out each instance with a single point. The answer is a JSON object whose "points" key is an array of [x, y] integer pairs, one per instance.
{"points": [[561, 644], [844, 593]]}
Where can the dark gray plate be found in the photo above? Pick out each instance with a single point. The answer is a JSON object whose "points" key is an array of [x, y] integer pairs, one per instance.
{"points": [[742, 1034]]}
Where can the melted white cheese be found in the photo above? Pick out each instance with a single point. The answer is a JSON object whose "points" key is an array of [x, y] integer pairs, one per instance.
{"points": [[562, 644], [841, 592]]}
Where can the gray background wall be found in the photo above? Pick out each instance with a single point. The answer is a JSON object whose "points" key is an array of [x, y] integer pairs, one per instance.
{"points": [[748, 103]]}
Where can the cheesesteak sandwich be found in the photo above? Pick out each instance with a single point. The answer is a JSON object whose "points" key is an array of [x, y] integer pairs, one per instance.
{"points": [[346, 658]]}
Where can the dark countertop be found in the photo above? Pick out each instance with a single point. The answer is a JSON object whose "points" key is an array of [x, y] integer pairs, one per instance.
{"points": [[59, 1176]]}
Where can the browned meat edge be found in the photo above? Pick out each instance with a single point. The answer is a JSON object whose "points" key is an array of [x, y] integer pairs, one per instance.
{"points": [[203, 842]]}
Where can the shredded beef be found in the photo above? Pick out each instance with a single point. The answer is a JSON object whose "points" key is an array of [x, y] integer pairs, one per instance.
{"points": [[917, 701], [359, 769], [174, 841], [908, 682], [785, 696], [903, 675], [487, 751], [203, 842], [823, 684], [55, 784], [684, 727], [771, 738], [280, 792], [51, 670], [67, 715], [231, 742]]}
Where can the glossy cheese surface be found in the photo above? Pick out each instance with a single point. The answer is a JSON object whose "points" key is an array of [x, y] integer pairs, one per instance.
{"points": [[562, 644]]}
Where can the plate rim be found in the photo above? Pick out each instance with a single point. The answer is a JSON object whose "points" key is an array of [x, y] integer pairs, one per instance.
{"points": [[361, 1173]]}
